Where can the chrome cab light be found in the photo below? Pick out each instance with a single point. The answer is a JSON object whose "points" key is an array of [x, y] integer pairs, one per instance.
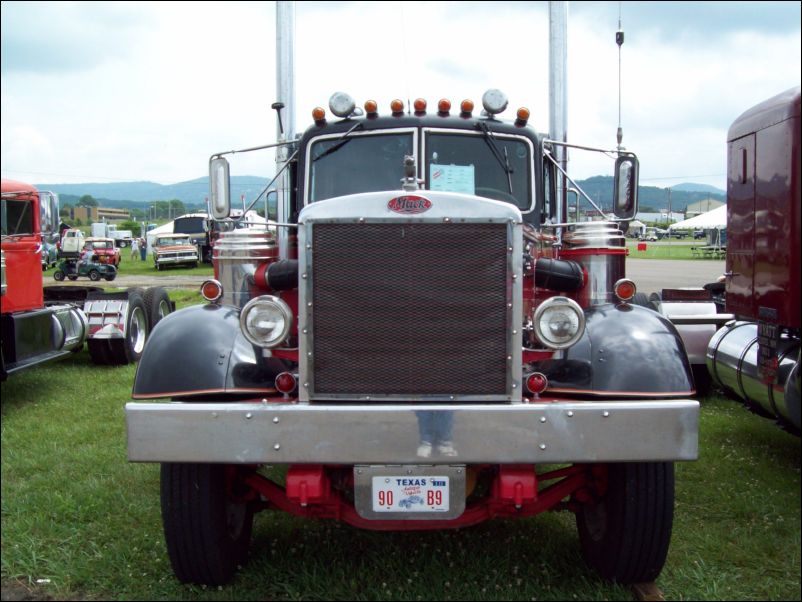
{"points": [[266, 321], [559, 322], [342, 104], [494, 101]]}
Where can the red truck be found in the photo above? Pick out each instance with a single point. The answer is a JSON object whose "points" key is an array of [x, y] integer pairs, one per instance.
{"points": [[45, 323], [755, 356], [426, 343]]}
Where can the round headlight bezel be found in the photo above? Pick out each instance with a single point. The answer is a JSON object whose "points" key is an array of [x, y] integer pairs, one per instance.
{"points": [[559, 304], [266, 303]]}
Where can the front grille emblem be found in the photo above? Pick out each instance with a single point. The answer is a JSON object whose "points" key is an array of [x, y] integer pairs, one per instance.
{"points": [[409, 204]]}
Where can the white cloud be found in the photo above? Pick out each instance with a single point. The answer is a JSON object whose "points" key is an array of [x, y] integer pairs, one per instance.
{"points": [[134, 91]]}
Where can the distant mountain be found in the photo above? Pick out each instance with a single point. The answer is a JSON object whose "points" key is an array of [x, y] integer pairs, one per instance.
{"points": [[129, 195], [600, 189], [691, 187], [133, 194]]}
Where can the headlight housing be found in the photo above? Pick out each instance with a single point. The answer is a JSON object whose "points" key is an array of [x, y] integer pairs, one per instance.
{"points": [[266, 321], [559, 322]]}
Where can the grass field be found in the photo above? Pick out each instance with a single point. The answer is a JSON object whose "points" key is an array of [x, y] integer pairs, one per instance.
{"points": [[665, 249], [80, 522]]}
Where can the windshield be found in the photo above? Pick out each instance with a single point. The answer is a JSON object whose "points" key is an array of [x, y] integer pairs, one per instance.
{"points": [[17, 217], [487, 165], [361, 164], [174, 240]]}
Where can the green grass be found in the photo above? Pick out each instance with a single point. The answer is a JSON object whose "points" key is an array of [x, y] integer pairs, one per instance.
{"points": [[130, 267], [76, 513], [664, 249]]}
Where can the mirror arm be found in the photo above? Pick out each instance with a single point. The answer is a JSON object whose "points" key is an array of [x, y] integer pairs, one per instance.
{"points": [[563, 172], [269, 184]]}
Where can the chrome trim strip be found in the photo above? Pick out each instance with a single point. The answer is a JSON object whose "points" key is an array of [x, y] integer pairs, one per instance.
{"points": [[256, 433]]}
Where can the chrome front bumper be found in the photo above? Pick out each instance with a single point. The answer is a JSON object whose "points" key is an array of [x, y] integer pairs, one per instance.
{"points": [[269, 433]]}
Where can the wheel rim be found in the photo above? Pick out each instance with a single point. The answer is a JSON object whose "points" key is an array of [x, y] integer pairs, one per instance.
{"points": [[164, 309], [138, 329]]}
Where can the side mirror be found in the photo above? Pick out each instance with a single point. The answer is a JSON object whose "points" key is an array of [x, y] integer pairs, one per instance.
{"points": [[272, 206], [220, 188], [48, 213], [625, 187]]}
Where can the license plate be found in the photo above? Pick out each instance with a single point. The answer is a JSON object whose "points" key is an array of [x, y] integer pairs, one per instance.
{"points": [[422, 492], [404, 493]]}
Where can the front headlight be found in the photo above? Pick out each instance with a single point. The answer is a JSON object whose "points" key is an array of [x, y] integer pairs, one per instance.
{"points": [[266, 321], [559, 322]]}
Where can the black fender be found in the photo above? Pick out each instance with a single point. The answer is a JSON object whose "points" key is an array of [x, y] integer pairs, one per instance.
{"points": [[626, 351], [200, 351]]}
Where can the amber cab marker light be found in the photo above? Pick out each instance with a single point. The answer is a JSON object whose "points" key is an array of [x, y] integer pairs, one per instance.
{"points": [[625, 289], [420, 105], [397, 106], [319, 114], [522, 116], [466, 107], [444, 106], [371, 107]]}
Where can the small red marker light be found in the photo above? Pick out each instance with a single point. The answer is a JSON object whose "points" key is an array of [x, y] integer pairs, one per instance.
{"points": [[466, 107], [286, 382], [211, 290], [444, 106], [625, 289], [371, 107], [397, 106], [536, 383], [420, 105]]}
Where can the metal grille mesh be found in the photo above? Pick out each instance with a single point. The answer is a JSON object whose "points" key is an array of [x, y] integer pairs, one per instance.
{"points": [[410, 309]]}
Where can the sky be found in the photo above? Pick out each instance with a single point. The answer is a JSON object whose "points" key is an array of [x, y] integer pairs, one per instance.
{"points": [[131, 91]]}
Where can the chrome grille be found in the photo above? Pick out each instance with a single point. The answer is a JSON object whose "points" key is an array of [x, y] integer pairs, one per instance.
{"points": [[410, 309]]}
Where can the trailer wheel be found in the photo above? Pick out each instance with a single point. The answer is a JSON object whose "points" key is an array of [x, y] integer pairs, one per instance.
{"points": [[625, 535], [129, 349], [58, 275], [157, 304], [207, 531]]}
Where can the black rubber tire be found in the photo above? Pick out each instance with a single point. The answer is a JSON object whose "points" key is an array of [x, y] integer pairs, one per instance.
{"points": [[701, 379], [207, 537], [129, 349], [58, 275], [123, 244], [111, 277], [625, 535], [655, 299], [157, 304], [94, 275]]}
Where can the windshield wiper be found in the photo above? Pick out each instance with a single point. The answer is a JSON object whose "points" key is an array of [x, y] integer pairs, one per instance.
{"points": [[502, 159], [341, 141]]}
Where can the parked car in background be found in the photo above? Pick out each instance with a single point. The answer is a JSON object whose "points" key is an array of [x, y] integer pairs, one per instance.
{"points": [[105, 250], [49, 255], [675, 234], [697, 234], [174, 249]]}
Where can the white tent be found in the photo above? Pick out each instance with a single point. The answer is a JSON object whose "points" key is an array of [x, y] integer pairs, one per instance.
{"points": [[712, 220]]}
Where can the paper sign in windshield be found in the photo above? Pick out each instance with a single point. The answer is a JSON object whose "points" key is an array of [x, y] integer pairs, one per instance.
{"points": [[452, 178]]}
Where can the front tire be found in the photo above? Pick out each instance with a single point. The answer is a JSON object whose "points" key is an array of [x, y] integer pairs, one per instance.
{"points": [[94, 275], [625, 534], [58, 275], [206, 530]]}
